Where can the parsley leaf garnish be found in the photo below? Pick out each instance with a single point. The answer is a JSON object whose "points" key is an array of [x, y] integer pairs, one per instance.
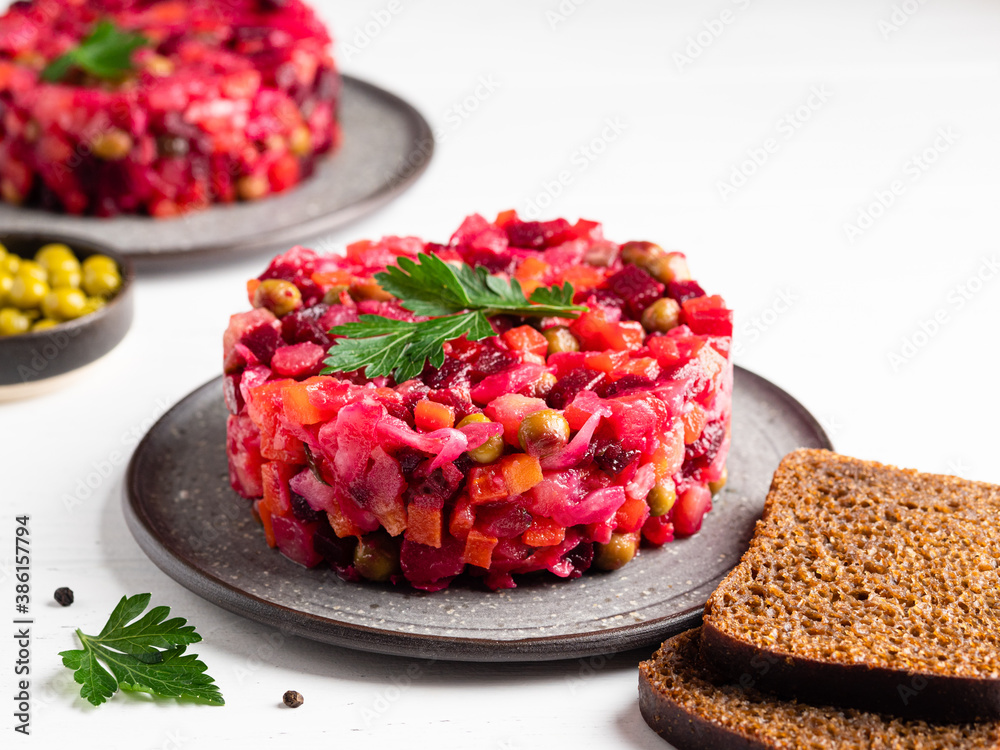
{"points": [[105, 53], [459, 300], [145, 656]]}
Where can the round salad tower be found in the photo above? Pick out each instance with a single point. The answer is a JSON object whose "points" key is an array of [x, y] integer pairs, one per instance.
{"points": [[162, 107], [563, 436]]}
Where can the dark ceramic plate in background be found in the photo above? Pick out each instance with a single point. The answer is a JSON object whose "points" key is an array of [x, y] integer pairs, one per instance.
{"points": [[34, 362], [386, 146], [181, 510]]}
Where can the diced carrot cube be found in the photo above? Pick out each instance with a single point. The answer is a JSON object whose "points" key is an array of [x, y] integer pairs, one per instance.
{"points": [[479, 549], [528, 286], [341, 524], [521, 472], [605, 361], [264, 513], [531, 268], [265, 407], [694, 422], [252, 285], [423, 525], [544, 532], [583, 277], [430, 415], [526, 339], [645, 367], [505, 217], [327, 279], [631, 515], [297, 406], [486, 483], [596, 332], [357, 250]]}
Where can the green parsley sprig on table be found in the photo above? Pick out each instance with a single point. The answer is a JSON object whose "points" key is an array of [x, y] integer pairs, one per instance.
{"points": [[459, 300], [105, 53], [145, 656]]}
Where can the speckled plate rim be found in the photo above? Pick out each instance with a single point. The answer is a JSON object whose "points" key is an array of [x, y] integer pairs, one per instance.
{"points": [[397, 643], [423, 138]]}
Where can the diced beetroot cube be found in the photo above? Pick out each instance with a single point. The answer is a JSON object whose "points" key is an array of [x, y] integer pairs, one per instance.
{"points": [[298, 360], [658, 530], [636, 419], [263, 341], [336, 551], [295, 540], [612, 457], [520, 379], [666, 351], [231, 393], [309, 324], [682, 291], [566, 388], [240, 326], [476, 233], [430, 566], [708, 315], [303, 511], [337, 315], [243, 452], [493, 358], [502, 520], [563, 363], [637, 288], [538, 235], [691, 506]]}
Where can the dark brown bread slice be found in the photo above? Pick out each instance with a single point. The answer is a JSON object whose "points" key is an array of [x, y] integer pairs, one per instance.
{"points": [[689, 706], [869, 586]]}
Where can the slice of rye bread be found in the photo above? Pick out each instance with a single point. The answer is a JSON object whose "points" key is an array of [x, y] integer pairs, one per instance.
{"points": [[688, 705], [868, 586]]}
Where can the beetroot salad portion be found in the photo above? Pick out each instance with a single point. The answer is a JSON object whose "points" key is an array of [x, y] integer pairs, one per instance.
{"points": [[161, 107], [558, 444]]}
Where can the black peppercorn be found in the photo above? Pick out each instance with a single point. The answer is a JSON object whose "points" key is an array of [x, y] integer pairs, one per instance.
{"points": [[64, 596], [292, 699]]}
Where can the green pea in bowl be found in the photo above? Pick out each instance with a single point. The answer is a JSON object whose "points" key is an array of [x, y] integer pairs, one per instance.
{"points": [[64, 303]]}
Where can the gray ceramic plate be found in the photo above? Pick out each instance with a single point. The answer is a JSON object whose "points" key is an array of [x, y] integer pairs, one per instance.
{"points": [[180, 509], [386, 146]]}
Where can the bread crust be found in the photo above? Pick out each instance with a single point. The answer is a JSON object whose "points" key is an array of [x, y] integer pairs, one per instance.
{"points": [[690, 705], [911, 693], [915, 695], [684, 729]]}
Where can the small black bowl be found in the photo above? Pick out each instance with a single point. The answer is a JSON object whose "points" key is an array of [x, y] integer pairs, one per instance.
{"points": [[29, 362]]}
